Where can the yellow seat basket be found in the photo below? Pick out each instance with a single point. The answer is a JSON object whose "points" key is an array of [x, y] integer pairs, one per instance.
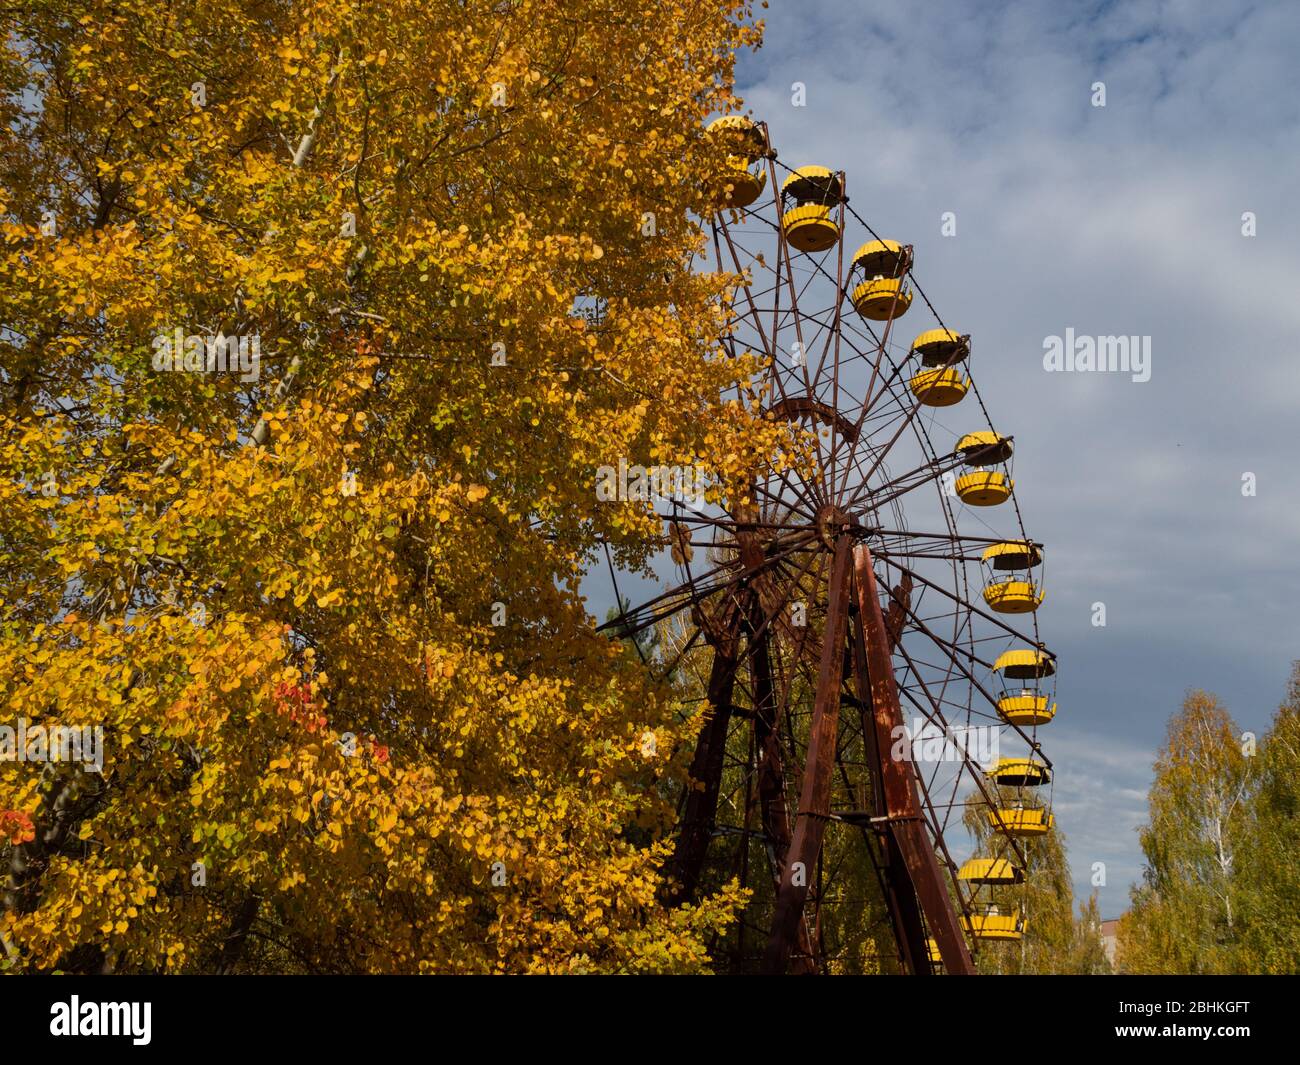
{"points": [[881, 258], [984, 488], [813, 185], [1026, 710], [737, 187], [939, 388], [739, 134], [810, 228], [881, 299], [932, 952], [1020, 773], [1013, 597], [990, 871], [1024, 663], [1013, 554], [1020, 822], [937, 347], [995, 926], [984, 448]]}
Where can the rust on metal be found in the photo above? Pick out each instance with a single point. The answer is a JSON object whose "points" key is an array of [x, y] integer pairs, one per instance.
{"points": [[898, 781], [819, 764]]}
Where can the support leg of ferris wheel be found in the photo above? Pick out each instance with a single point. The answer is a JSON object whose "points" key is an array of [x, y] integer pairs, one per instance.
{"points": [[906, 828], [700, 810], [705, 778], [896, 883], [819, 767]]}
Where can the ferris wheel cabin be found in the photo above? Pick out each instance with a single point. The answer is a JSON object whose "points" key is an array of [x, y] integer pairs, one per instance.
{"points": [[808, 226], [986, 485], [738, 185], [1009, 592], [883, 294], [940, 383]]}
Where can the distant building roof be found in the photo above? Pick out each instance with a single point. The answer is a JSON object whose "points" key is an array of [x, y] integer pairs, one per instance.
{"points": [[1109, 929]]}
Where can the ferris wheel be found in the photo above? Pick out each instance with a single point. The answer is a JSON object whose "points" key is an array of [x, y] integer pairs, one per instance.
{"points": [[863, 624]]}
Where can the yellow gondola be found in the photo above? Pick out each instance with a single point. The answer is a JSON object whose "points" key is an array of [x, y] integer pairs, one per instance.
{"points": [[941, 347], [1020, 822], [984, 448], [939, 387], [810, 228], [994, 925], [990, 871], [1013, 554], [1026, 709], [738, 187], [1023, 663], [984, 487], [813, 184], [1013, 596], [882, 258], [1010, 594], [740, 135], [987, 488], [1020, 773], [882, 299]]}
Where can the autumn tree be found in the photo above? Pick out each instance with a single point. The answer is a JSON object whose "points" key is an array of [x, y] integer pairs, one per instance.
{"points": [[1186, 914], [320, 591], [1268, 860], [1087, 951]]}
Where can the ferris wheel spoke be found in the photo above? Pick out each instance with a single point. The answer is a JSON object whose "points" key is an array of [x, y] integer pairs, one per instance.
{"points": [[868, 396], [899, 486], [667, 672], [882, 345], [802, 495], [948, 537], [835, 336], [912, 410], [833, 333], [975, 770], [939, 826], [964, 604], [955, 654], [877, 454], [757, 320], [784, 256], [666, 607]]}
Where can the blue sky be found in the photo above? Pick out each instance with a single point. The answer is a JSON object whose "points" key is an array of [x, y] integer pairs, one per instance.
{"points": [[1116, 220]]}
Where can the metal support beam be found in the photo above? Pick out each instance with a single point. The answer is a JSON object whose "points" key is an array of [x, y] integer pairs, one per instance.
{"points": [[819, 766], [704, 781], [898, 781]]}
